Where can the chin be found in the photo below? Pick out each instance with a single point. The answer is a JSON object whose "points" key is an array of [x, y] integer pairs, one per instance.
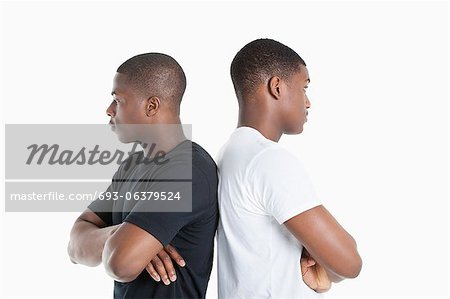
{"points": [[124, 138], [299, 130], [295, 131]]}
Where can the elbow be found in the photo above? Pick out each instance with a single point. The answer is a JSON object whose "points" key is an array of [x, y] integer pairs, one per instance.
{"points": [[71, 253], [358, 267], [353, 267], [119, 271], [79, 255], [118, 264]]}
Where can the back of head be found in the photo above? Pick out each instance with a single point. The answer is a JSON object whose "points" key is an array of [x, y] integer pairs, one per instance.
{"points": [[260, 60], [155, 74]]}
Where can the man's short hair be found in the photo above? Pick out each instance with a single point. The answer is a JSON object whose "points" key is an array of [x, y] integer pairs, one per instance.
{"points": [[155, 74], [260, 60]]}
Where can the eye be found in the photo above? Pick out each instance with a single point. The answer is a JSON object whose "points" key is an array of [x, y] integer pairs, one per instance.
{"points": [[116, 100], [304, 88]]}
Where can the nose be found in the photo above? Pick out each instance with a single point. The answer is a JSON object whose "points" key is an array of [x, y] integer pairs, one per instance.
{"points": [[111, 110], [308, 103]]}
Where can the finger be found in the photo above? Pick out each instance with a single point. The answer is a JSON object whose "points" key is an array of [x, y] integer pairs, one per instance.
{"points": [[303, 266], [159, 267], [167, 261], [304, 271], [324, 282], [175, 255], [311, 262], [151, 270], [303, 262], [307, 262]]}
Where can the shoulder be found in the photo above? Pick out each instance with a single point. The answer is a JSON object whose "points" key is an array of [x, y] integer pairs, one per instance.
{"points": [[204, 171], [190, 161], [202, 161], [274, 160], [274, 154]]}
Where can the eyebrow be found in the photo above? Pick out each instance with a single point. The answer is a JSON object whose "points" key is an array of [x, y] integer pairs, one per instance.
{"points": [[308, 80], [113, 93]]}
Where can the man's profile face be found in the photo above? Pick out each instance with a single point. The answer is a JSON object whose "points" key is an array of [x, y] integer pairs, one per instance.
{"points": [[126, 108], [296, 102]]}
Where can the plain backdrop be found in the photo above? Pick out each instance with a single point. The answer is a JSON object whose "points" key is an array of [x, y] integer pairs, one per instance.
{"points": [[375, 144]]}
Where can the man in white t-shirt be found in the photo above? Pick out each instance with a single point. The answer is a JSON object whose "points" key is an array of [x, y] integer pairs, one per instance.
{"points": [[269, 211]]}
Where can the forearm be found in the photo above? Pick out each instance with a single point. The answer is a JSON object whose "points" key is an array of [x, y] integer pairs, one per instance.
{"points": [[327, 241], [342, 263], [330, 275], [87, 242], [335, 278], [128, 251]]}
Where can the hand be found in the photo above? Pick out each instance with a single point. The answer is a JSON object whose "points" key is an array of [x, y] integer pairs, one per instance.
{"points": [[161, 266], [313, 274]]}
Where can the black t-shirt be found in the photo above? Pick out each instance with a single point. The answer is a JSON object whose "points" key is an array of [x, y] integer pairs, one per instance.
{"points": [[191, 233]]}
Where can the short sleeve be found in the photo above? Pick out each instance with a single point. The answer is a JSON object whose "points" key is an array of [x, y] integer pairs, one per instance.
{"points": [[164, 226], [281, 184], [103, 208]]}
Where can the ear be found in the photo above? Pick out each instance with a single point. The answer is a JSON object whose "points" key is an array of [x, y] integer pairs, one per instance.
{"points": [[274, 87], [152, 106]]}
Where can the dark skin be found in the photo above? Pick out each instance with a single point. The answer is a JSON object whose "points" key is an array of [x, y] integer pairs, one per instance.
{"points": [[314, 275], [277, 107], [120, 248], [280, 107]]}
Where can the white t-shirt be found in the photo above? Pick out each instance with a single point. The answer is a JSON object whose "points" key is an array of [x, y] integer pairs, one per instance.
{"points": [[261, 185]]}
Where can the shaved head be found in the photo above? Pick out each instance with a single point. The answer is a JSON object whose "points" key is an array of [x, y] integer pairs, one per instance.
{"points": [[155, 74]]}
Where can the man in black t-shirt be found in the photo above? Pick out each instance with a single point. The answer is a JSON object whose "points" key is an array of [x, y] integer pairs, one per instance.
{"points": [[125, 234]]}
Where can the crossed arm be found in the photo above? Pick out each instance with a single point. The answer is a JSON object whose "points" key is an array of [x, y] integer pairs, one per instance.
{"points": [[334, 256], [331, 247], [125, 249]]}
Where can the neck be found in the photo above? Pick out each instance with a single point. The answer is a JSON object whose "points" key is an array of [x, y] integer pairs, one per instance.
{"points": [[163, 137], [260, 119]]}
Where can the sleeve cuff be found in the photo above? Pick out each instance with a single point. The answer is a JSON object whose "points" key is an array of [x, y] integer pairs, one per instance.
{"points": [[294, 212], [156, 231]]}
